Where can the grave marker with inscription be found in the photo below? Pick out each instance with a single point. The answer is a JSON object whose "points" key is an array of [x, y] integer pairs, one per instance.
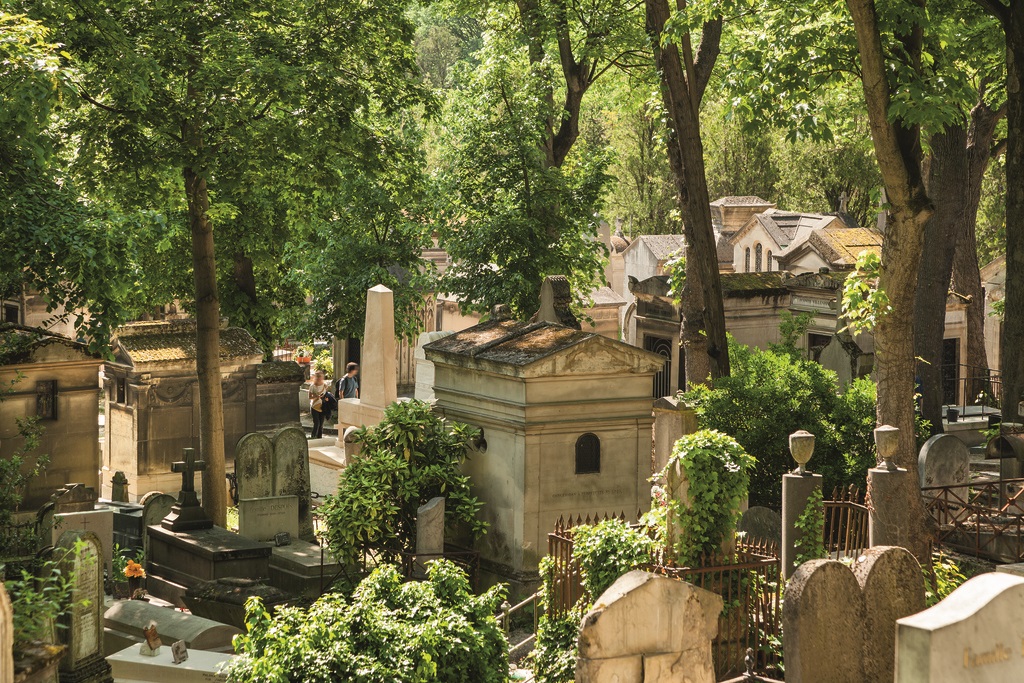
{"points": [[261, 519], [79, 556], [975, 635]]}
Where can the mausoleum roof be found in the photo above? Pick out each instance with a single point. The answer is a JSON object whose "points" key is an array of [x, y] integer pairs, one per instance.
{"points": [[174, 341], [748, 200], [662, 247], [269, 372], [517, 344], [23, 344]]}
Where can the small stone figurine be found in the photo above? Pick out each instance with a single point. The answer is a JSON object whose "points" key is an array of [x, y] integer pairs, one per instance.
{"points": [[151, 647]]}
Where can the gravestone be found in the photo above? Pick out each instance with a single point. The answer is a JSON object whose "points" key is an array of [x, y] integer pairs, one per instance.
{"points": [[119, 487], [79, 555], [648, 628], [261, 519], [945, 461], [124, 621], [890, 581], [975, 635], [839, 623], [6, 637], [761, 524], [155, 506], [822, 625], [378, 376], [75, 509], [430, 527], [267, 468]]}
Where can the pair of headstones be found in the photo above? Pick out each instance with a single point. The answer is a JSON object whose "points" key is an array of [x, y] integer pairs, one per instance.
{"points": [[839, 622], [273, 485]]}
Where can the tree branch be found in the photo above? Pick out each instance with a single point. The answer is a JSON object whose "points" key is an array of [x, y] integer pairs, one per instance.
{"points": [[998, 148], [707, 54], [997, 9]]}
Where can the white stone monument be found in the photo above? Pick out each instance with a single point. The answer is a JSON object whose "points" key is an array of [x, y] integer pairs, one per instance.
{"points": [[378, 380]]}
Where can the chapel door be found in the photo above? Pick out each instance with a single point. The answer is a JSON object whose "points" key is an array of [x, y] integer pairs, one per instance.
{"points": [[950, 371]]}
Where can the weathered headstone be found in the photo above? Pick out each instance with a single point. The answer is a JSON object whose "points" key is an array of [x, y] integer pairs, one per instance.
{"points": [[648, 628], [975, 635], [944, 460], [155, 506], [890, 581], [75, 509], [79, 556], [823, 625], [75, 498], [261, 519], [6, 638], [254, 466], [291, 474], [761, 524], [430, 527], [119, 487]]}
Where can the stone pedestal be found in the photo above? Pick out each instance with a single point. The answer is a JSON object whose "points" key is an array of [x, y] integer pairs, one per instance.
{"points": [[883, 523], [297, 569], [179, 560], [796, 490], [672, 420]]}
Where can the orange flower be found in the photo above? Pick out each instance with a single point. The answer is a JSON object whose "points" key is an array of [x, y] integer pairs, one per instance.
{"points": [[134, 570]]}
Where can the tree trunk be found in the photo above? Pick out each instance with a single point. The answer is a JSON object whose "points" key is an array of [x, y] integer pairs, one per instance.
{"points": [[682, 88], [211, 400], [946, 182], [1013, 321], [898, 151]]}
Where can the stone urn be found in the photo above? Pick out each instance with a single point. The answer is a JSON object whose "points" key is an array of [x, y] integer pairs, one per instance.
{"points": [[887, 441]]}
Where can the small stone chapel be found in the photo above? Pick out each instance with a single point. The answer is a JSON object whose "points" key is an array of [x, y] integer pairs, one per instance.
{"points": [[566, 421]]}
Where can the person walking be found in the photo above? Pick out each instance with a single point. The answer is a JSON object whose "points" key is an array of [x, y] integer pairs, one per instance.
{"points": [[348, 385], [318, 404]]}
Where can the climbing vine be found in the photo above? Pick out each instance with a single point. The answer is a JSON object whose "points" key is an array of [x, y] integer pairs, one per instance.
{"points": [[864, 302], [811, 544], [716, 470]]}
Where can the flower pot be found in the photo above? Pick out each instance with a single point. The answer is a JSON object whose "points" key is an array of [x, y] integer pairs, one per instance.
{"points": [[119, 590], [134, 584]]}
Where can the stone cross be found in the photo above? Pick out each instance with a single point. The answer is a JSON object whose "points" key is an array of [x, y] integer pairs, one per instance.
{"points": [[844, 200], [188, 469]]}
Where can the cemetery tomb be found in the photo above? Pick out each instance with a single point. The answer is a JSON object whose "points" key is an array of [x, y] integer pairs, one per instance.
{"points": [[268, 468], [567, 422], [200, 667], [57, 384], [152, 399], [975, 635], [125, 620]]}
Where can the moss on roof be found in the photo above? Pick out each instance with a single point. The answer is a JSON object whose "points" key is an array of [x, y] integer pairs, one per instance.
{"points": [[175, 341], [752, 282], [270, 372], [18, 342]]}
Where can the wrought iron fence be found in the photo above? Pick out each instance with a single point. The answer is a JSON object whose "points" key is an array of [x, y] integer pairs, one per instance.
{"points": [[749, 582], [982, 519], [19, 544], [522, 647], [971, 385], [846, 523]]}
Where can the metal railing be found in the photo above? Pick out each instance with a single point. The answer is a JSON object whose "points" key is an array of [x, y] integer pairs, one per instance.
{"points": [[971, 386], [523, 647], [846, 523], [982, 519]]}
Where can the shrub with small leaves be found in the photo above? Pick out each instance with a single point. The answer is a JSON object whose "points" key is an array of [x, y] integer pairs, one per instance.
{"points": [[414, 632], [811, 545]]}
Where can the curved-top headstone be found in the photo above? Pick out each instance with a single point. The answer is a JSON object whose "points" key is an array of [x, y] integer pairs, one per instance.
{"points": [[823, 625], [891, 583], [973, 636], [80, 557], [254, 466], [291, 474], [647, 627], [944, 460]]}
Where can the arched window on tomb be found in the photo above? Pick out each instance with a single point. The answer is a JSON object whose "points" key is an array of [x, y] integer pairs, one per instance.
{"points": [[588, 454], [758, 252], [769, 264], [746, 261]]}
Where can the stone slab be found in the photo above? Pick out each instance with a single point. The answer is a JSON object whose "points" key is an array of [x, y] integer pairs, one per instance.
{"points": [[127, 618], [201, 667], [262, 518], [975, 635], [99, 521], [296, 569]]}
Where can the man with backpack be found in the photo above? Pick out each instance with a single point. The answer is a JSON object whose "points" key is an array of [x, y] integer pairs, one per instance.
{"points": [[348, 385]]}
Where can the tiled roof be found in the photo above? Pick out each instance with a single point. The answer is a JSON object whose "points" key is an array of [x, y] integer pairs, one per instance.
{"points": [[606, 296], [510, 342], [724, 248], [841, 246], [175, 341], [749, 200], [662, 246]]}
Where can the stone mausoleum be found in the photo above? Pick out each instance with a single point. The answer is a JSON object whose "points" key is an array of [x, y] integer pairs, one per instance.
{"points": [[566, 419], [152, 399], [57, 380]]}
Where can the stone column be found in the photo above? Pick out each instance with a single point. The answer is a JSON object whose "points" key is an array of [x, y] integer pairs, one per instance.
{"points": [[797, 488], [884, 483], [672, 420]]}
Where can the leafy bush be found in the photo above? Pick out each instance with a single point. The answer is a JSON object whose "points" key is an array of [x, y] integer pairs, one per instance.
{"points": [[414, 632], [39, 599], [943, 578], [324, 362], [608, 550], [411, 456], [811, 546]]}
